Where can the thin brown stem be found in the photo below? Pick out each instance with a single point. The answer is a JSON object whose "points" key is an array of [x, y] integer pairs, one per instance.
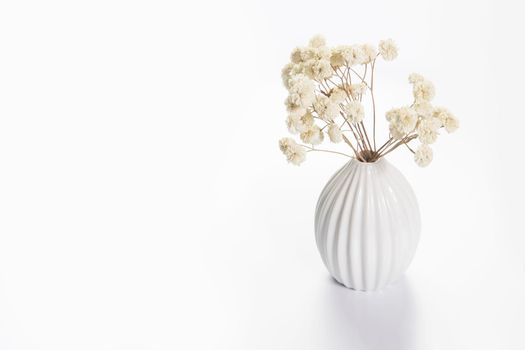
{"points": [[385, 144], [360, 77], [373, 101], [357, 154], [410, 149], [361, 136], [311, 149], [366, 135], [396, 145], [353, 132]]}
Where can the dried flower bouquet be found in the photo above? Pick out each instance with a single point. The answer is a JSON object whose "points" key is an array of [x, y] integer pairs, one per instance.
{"points": [[327, 87]]}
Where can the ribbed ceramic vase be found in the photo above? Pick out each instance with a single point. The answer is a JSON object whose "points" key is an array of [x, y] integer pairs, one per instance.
{"points": [[367, 225]]}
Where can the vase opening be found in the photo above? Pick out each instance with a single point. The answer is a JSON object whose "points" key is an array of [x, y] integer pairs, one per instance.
{"points": [[367, 156]]}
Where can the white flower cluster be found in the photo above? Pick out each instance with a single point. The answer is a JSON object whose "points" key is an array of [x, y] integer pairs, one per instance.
{"points": [[421, 119], [388, 49], [314, 97], [326, 89], [294, 152]]}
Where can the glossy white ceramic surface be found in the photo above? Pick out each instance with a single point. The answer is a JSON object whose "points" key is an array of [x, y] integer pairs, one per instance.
{"points": [[367, 225]]}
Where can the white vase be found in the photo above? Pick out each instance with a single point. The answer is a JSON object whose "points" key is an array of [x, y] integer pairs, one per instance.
{"points": [[367, 225]]}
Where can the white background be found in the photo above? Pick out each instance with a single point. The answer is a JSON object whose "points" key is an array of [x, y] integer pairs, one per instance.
{"points": [[144, 203]]}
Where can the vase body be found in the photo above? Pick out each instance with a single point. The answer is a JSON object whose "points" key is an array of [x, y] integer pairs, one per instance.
{"points": [[367, 225]]}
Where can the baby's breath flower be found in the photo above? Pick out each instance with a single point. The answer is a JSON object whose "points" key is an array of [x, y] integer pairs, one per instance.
{"points": [[423, 90], [427, 130], [294, 152], [334, 133], [356, 90], [395, 132], [317, 53], [369, 53], [313, 135], [354, 55], [297, 124], [423, 108], [325, 108], [337, 95], [448, 120], [337, 59], [304, 88], [317, 41], [415, 78], [318, 69], [288, 71], [423, 155], [354, 111], [402, 119], [451, 124], [298, 55], [294, 105], [293, 122], [388, 49]]}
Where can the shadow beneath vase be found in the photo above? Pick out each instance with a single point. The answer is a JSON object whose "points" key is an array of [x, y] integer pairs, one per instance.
{"points": [[370, 320]]}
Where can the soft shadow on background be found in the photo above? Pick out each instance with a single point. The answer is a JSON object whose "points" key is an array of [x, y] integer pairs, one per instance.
{"points": [[370, 320]]}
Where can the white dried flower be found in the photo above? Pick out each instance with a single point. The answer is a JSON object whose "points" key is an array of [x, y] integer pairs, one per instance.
{"points": [[388, 49], [289, 71], [451, 124], [293, 122], [325, 108], [334, 133], [298, 55], [354, 111], [304, 88], [293, 105], [313, 135], [395, 132], [294, 152], [415, 78], [448, 120], [427, 130], [423, 155], [286, 73], [369, 53], [297, 124], [318, 69], [403, 119], [317, 53], [337, 95], [354, 55], [423, 108], [423, 90], [337, 58], [356, 90], [317, 41]]}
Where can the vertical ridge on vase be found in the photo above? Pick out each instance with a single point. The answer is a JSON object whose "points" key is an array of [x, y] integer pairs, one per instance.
{"points": [[335, 253], [407, 222], [377, 204], [325, 209], [386, 237], [346, 230], [355, 233], [394, 234], [328, 210], [334, 212], [342, 231], [365, 234]]}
